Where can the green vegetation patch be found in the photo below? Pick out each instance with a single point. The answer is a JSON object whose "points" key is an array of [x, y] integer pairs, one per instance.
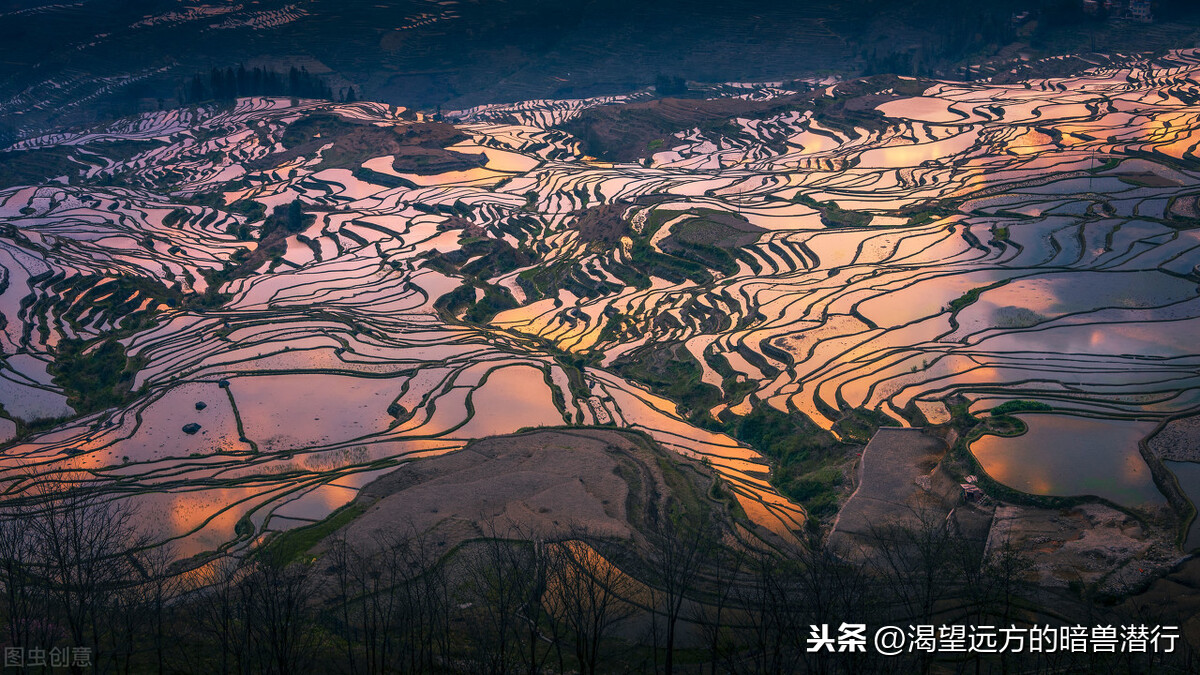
{"points": [[291, 546], [603, 225], [118, 300], [630, 131], [290, 218], [858, 425], [833, 215], [416, 147], [31, 167], [671, 370], [716, 228], [1020, 405], [674, 268], [969, 298], [808, 461], [479, 259], [711, 239], [463, 301], [94, 377]]}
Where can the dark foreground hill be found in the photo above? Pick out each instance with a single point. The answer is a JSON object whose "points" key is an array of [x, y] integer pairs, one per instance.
{"points": [[67, 63]]}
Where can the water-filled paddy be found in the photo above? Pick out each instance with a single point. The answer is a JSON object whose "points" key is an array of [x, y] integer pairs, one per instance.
{"points": [[511, 398], [1188, 476], [1062, 455], [283, 412], [335, 339]]}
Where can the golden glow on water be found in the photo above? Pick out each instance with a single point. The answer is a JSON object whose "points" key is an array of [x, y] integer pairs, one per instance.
{"points": [[340, 345], [1065, 455]]}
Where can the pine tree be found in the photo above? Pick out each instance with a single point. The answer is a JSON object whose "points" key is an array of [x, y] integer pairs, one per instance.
{"points": [[243, 81], [197, 89], [295, 216]]}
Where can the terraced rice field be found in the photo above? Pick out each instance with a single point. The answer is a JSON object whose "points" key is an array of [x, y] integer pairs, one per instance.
{"points": [[1034, 241]]}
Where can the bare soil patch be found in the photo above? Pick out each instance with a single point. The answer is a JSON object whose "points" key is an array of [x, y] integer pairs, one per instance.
{"points": [[902, 484], [418, 147], [547, 483]]}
